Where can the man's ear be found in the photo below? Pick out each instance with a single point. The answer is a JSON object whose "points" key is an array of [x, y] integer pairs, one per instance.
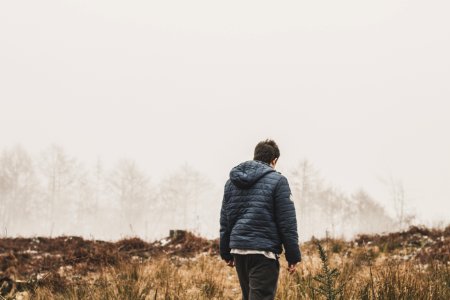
{"points": [[274, 162]]}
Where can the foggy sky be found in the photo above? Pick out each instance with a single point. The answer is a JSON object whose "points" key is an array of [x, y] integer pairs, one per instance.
{"points": [[360, 89]]}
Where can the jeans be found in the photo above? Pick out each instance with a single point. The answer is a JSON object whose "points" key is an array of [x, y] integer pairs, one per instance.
{"points": [[258, 276]]}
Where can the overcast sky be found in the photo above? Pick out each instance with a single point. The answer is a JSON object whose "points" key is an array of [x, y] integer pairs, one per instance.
{"points": [[361, 89]]}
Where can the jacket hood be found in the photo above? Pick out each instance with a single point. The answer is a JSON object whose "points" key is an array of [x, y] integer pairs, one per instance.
{"points": [[248, 173]]}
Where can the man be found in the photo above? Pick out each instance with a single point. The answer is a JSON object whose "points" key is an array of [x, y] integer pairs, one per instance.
{"points": [[258, 217]]}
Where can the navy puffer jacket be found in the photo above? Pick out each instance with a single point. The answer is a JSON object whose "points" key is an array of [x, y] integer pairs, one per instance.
{"points": [[258, 213]]}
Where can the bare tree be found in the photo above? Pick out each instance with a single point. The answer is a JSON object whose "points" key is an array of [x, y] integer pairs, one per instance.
{"points": [[306, 186], [86, 210], [130, 187], [399, 201], [334, 204], [181, 197], [59, 173], [99, 182], [18, 184], [398, 198]]}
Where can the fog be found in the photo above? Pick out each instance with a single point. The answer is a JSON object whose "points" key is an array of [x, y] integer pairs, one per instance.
{"points": [[53, 194], [161, 92]]}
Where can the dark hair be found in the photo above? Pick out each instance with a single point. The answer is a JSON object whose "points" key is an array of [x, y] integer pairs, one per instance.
{"points": [[266, 151]]}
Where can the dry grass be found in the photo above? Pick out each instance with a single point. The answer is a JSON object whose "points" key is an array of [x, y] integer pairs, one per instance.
{"points": [[415, 268], [202, 277], [207, 277]]}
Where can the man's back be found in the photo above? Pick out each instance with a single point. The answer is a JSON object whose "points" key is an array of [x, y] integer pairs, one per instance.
{"points": [[258, 211], [258, 217]]}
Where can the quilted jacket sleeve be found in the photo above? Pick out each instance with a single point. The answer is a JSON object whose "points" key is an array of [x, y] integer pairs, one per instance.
{"points": [[225, 229], [287, 221]]}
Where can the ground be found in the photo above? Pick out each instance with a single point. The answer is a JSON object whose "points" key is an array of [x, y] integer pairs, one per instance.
{"points": [[411, 264]]}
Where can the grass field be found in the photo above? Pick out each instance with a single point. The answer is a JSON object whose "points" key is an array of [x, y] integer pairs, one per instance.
{"points": [[412, 264]]}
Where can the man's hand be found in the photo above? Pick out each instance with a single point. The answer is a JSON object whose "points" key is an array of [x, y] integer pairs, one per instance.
{"points": [[292, 268], [230, 263]]}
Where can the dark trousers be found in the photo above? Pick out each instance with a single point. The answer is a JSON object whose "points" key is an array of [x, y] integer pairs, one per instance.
{"points": [[258, 276]]}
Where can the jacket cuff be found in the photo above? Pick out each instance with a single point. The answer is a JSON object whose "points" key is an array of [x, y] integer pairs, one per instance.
{"points": [[226, 256], [293, 254]]}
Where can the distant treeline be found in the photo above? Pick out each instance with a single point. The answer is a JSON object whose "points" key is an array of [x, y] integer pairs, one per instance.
{"points": [[323, 208], [53, 193]]}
